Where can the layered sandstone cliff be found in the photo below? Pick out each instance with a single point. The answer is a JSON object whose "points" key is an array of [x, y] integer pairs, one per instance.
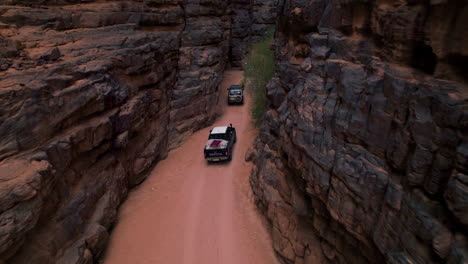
{"points": [[92, 95], [363, 152]]}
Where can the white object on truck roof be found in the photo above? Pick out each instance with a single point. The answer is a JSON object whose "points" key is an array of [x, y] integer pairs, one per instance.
{"points": [[219, 130]]}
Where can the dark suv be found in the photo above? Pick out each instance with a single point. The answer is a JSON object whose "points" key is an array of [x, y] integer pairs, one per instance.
{"points": [[235, 94]]}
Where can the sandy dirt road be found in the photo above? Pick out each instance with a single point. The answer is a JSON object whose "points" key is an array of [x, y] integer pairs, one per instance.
{"points": [[189, 211]]}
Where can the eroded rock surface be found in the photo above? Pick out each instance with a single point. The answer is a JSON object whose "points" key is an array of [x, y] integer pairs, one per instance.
{"points": [[362, 155], [92, 95]]}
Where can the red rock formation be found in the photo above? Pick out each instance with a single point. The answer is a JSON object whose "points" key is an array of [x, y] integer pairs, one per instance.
{"points": [[202, 59], [85, 104], [364, 143]]}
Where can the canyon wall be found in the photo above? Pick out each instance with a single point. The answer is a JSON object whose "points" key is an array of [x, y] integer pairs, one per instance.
{"points": [[92, 95], [362, 156], [251, 19]]}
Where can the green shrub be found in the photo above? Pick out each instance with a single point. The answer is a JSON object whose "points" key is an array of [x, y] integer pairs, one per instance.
{"points": [[259, 69]]}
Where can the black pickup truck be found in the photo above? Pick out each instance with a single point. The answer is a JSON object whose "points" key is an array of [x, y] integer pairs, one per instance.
{"points": [[220, 143]]}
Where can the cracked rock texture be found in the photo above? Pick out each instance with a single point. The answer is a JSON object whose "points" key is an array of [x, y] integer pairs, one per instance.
{"points": [[363, 151], [92, 95]]}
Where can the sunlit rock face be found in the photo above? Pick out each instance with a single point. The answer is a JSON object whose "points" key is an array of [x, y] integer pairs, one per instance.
{"points": [[92, 95], [363, 153]]}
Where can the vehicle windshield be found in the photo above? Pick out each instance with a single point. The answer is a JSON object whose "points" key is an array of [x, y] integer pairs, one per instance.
{"points": [[234, 92], [218, 136]]}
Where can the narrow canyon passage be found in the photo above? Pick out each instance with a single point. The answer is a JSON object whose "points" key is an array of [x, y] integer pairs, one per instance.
{"points": [[189, 211]]}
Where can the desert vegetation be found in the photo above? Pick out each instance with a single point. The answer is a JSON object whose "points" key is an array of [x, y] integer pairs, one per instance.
{"points": [[259, 69]]}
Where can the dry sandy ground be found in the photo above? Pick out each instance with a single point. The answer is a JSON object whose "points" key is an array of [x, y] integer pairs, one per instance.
{"points": [[189, 211]]}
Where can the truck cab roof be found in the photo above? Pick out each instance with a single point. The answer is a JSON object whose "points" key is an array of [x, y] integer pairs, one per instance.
{"points": [[235, 87], [219, 130]]}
